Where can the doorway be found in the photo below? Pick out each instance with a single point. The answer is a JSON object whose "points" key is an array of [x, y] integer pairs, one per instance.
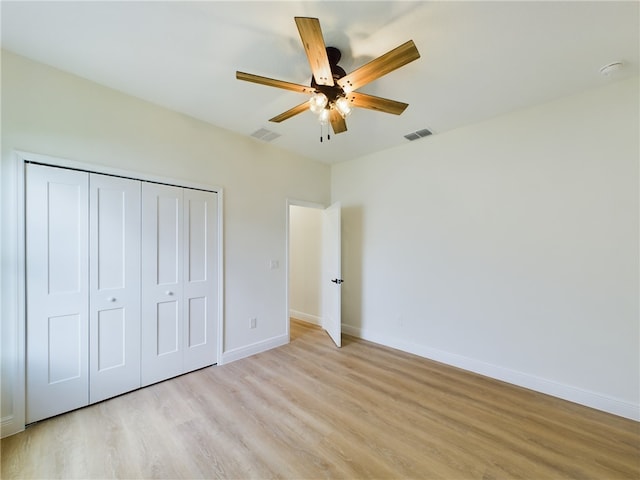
{"points": [[313, 266], [305, 262]]}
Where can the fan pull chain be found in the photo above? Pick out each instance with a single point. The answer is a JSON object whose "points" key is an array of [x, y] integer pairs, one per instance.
{"points": [[322, 132]]}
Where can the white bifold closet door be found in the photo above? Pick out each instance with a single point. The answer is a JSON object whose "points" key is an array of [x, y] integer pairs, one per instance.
{"points": [[200, 279], [57, 267], [121, 286], [179, 282], [83, 289], [114, 319]]}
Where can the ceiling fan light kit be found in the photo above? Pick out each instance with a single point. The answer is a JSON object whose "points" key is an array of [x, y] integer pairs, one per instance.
{"points": [[342, 105], [332, 90], [318, 102]]}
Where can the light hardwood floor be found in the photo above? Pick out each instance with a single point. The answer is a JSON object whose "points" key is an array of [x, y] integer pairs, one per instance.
{"points": [[309, 410]]}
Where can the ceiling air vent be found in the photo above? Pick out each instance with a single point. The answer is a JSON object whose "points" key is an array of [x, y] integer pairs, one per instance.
{"points": [[419, 134], [265, 135]]}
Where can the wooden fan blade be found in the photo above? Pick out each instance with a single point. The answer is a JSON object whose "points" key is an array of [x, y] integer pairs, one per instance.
{"points": [[313, 42], [337, 122], [390, 61], [270, 82], [362, 100], [290, 113]]}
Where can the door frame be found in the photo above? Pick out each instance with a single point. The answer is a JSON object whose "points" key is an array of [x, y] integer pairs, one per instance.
{"points": [[290, 202], [17, 421]]}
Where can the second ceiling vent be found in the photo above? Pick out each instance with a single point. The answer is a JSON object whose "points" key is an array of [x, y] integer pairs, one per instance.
{"points": [[425, 132]]}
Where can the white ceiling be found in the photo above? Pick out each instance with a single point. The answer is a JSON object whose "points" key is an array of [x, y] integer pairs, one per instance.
{"points": [[478, 59]]}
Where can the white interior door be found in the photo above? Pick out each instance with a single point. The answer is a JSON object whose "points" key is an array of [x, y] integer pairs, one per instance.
{"points": [[114, 323], [331, 273], [162, 286], [57, 290], [200, 278]]}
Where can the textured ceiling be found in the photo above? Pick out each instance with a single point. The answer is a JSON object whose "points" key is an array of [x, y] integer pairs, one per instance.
{"points": [[478, 59]]}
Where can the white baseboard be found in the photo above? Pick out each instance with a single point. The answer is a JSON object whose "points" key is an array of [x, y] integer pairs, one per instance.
{"points": [[10, 426], [306, 317], [532, 382], [258, 347]]}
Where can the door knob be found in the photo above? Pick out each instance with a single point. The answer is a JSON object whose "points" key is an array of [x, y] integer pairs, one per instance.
{"points": [[169, 292], [111, 299], [337, 281]]}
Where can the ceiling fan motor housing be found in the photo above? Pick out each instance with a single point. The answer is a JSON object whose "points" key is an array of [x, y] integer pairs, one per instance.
{"points": [[334, 92]]}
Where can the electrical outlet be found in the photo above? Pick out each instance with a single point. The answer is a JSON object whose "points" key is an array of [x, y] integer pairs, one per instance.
{"points": [[254, 322], [273, 264]]}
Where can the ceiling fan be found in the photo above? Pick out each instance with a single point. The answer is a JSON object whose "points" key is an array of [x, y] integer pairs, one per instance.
{"points": [[332, 90]]}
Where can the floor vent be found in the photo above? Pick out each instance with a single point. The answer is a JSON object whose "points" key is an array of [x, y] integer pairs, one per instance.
{"points": [[419, 134], [265, 135]]}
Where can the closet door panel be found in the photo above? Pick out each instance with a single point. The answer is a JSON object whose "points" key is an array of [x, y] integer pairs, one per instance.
{"points": [[57, 291], [114, 286], [162, 289], [200, 280]]}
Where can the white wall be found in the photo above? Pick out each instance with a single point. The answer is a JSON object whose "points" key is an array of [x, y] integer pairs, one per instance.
{"points": [[51, 112], [305, 263], [508, 247]]}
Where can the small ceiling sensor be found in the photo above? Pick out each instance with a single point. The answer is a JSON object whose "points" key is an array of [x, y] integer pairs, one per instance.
{"points": [[611, 68]]}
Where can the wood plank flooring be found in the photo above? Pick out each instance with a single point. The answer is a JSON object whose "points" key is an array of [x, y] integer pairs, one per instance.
{"points": [[309, 410]]}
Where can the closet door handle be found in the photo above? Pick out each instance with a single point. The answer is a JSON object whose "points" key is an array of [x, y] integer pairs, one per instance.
{"points": [[111, 299], [169, 292]]}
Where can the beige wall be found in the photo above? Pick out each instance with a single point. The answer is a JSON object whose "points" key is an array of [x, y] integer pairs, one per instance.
{"points": [[508, 247], [50, 112]]}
